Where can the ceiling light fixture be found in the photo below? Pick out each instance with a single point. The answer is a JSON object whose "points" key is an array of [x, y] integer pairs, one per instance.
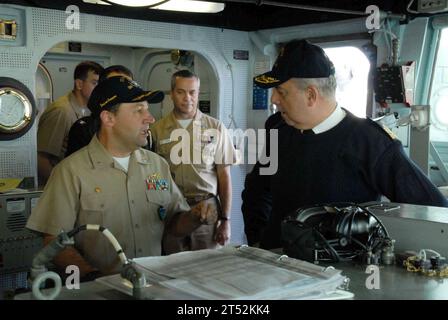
{"points": [[172, 5], [136, 3], [191, 6]]}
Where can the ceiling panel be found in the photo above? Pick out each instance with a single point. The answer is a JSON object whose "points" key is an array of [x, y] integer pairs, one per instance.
{"points": [[247, 15]]}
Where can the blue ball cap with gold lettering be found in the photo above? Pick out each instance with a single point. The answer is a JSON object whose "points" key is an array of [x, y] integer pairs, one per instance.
{"points": [[117, 90], [297, 59]]}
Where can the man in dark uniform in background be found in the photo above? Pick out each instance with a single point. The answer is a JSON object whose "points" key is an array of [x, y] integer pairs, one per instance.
{"points": [[257, 199], [326, 154]]}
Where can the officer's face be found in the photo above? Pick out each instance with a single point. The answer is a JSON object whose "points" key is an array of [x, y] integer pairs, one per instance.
{"points": [[131, 124], [185, 97], [292, 103], [87, 85]]}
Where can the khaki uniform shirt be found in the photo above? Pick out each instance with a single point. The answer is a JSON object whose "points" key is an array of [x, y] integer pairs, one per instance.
{"points": [[195, 179], [55, 123], [89, 187]]}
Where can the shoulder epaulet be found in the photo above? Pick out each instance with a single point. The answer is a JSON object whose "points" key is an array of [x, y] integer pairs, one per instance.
{"points": [[384, 129], [389, 132]]}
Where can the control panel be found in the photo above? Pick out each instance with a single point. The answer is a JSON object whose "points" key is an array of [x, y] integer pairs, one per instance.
{"points": [[18, 245]]}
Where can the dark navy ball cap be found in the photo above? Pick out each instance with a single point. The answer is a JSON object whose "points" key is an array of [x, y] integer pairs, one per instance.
{"points": [[117, 90], [297, 59]]}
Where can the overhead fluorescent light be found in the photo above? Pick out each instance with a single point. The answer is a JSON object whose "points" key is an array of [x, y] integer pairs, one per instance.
{"points": [[135, 3], [96, 2], [171, 5], [191, 6]]}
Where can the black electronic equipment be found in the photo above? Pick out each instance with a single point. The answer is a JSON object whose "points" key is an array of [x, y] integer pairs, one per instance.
{"points": [[389, 85], [18, 245], [334, 232]]}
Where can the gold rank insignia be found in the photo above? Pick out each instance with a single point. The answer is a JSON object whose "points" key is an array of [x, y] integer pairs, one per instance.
{"points": [[265, 79], [389, 132]]}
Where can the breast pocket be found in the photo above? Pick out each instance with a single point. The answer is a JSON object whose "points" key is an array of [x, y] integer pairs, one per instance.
{"points": [[94, 208], [158, 202]]}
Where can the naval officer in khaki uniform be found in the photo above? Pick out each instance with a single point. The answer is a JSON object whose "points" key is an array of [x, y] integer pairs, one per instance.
{"points": [[205, 174], [115, 183], [56, 120]]}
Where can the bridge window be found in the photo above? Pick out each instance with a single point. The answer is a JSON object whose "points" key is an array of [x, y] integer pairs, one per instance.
{"points": [[439, 92], [352, 71]]}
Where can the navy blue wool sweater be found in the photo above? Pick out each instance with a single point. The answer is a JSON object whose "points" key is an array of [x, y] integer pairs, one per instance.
{"points": [[356, 161]]}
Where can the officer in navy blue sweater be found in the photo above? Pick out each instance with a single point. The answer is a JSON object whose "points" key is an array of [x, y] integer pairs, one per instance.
{"points": [[325, 154], [257, 199]]}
